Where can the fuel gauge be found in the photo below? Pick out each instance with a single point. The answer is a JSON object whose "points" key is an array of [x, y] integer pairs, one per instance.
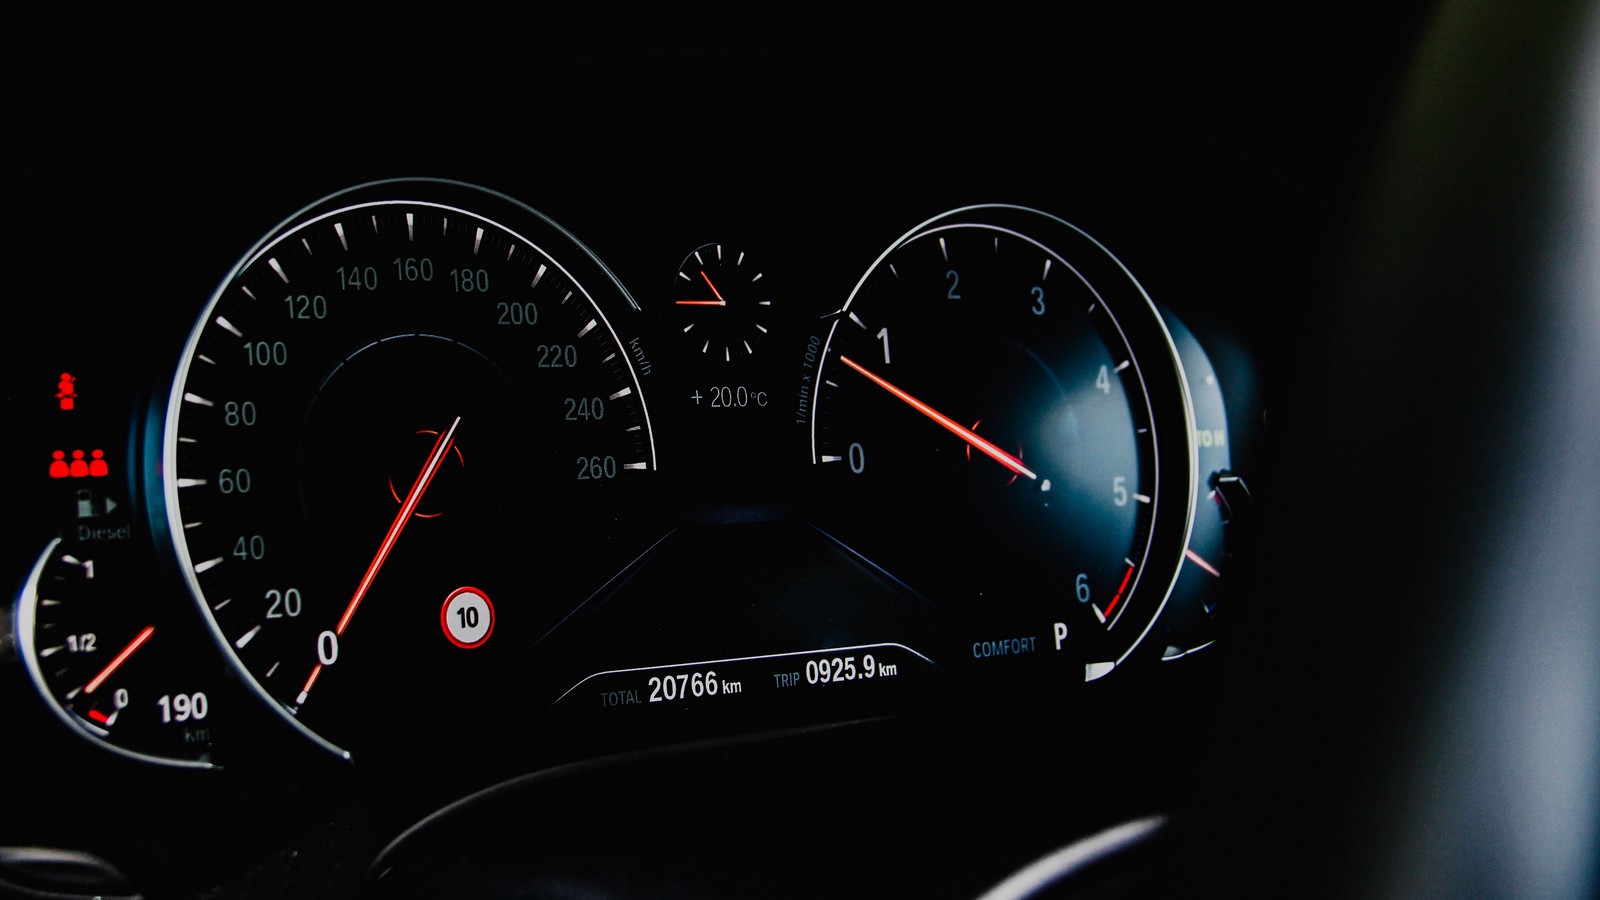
{"points": [[109, 663]]}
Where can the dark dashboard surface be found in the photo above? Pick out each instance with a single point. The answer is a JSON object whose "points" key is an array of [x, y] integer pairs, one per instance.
{"points": [[661, 710]]}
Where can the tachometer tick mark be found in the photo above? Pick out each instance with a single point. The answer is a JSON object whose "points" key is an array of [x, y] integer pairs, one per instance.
{"points": [[856, 319], [1121, 365], [1046, 269], [943, 250]]}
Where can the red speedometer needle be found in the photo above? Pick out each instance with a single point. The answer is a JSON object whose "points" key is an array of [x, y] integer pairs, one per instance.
{"points": [[951, 425], [441, 446], [714, 292], [120, 658]]}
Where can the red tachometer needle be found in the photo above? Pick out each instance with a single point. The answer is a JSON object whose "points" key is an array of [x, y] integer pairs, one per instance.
{"points": [[951, 425], [120, 658]]}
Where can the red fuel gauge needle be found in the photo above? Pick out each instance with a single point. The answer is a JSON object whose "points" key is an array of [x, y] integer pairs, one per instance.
{"points": [[441, 447], [119, 659], [951, 425]]}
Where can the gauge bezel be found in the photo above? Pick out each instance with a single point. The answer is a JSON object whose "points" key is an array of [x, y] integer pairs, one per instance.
{"points": [[575, 260], [1157, 365]]}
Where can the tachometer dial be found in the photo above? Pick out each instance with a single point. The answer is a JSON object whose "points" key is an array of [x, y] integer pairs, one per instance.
{"points": [[1004, 429], [408, 400]]}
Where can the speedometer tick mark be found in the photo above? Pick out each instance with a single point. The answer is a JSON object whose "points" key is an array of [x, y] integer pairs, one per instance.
{"points": [[637, 466], [757, 278], [197, 400], [374, 224], [688, 327], [187, 440], [685, 277], [510, 250], [247, 293], [219, 606], [893, 271], [620, 394], [698, 259], [190, 525], [1091, 309], [609, 358], [207, 565], [307, 244], [477, 241], [273, 262], [747, 348], [273, 669], [411, 226], [538, 275], [227, 326], [761, 328], [190, 482], [635, 428], [827, 458], [246, 637], [338, 228], [587, 328], [205, 359]]}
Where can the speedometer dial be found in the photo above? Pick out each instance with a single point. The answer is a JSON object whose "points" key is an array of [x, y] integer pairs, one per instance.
{"points": [[395, 425], [1004, 428]]}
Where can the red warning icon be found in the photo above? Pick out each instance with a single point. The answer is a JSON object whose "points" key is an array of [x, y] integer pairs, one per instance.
{"points": [[66, 391], [94, 466]]}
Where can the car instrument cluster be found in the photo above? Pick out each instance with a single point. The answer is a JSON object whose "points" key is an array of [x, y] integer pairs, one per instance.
{"points": [[430, 473]]}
